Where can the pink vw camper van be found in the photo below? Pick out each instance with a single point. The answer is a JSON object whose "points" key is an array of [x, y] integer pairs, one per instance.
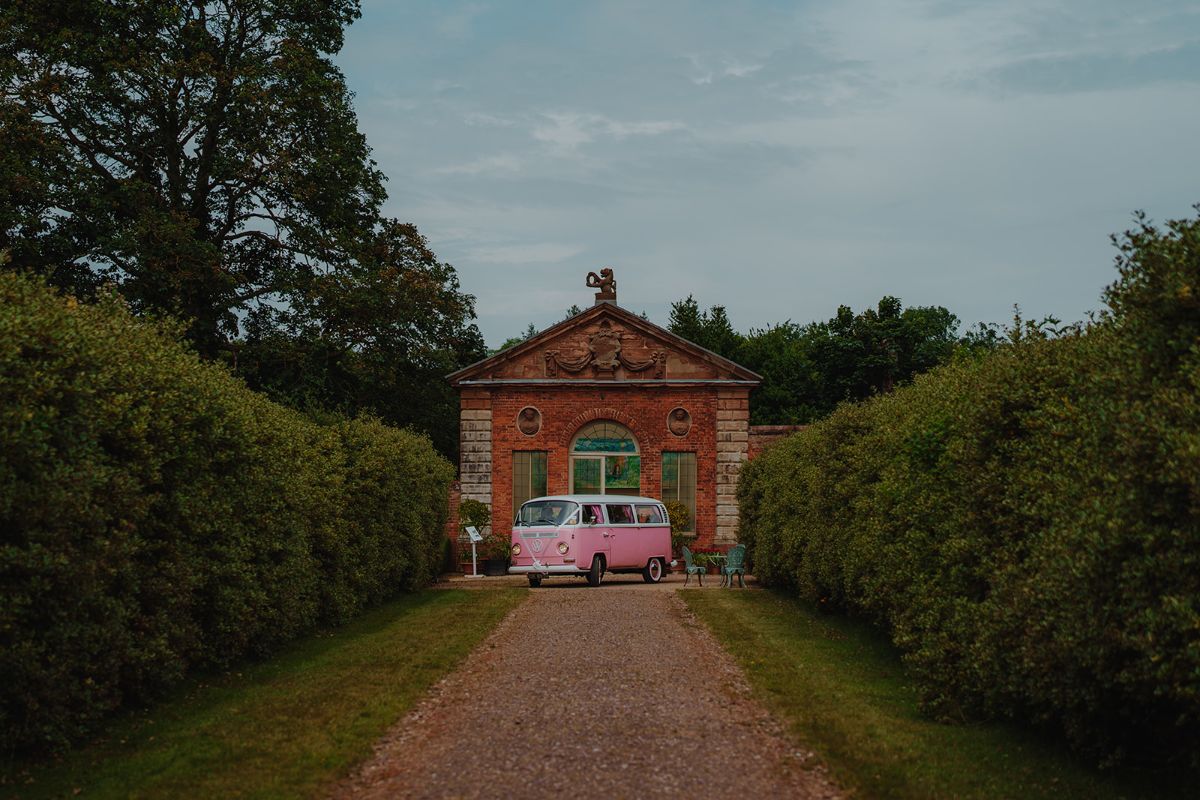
{"points": [[589, 535]]}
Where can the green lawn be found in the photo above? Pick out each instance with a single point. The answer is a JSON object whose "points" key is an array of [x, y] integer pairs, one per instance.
{"points": [[842, 690], [285, 727]]}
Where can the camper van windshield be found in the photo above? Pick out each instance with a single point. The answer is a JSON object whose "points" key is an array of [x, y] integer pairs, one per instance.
{"points": [[546, 512]]}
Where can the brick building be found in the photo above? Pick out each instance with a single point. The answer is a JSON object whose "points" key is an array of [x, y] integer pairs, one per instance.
{"points": [[606, 402]]}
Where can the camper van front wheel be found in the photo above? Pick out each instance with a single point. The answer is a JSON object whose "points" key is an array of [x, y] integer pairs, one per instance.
{"points": [[596, 573], [535, 581]]}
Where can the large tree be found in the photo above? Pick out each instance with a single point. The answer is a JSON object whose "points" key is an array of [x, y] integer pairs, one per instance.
{"points": [[371, 339], [205, 156]]}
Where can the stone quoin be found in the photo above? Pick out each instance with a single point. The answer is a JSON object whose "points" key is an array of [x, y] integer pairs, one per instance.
{"points": [[607, 402]]}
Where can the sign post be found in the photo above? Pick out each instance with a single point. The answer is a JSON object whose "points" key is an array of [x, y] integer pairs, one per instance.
{"points": [[475, 538]]}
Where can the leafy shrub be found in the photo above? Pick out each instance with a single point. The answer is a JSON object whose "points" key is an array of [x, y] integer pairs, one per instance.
{"points": [[680, 517], [475, 514], [703, 557], [1025, 524], [156, 515]]}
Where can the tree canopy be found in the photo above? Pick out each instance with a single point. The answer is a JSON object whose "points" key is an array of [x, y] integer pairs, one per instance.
{"points": [[710, 329], [808, 369], [529, 332], [205, 157]]}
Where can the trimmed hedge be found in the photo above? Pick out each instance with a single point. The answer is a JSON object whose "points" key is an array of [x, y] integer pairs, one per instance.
{"points": [[157, 515], [1026, 525]]}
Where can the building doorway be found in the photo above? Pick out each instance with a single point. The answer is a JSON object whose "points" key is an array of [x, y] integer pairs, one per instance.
{"points": [[605, 460]]}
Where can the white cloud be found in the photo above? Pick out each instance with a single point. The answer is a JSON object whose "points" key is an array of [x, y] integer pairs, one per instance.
{"points": [[567, 130], [484, 120], [443, 86], [504, 163], [736, 69], [621, 130], [703, 74], [564, 131]]}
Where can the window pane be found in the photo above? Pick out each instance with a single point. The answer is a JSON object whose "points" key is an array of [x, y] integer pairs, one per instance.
{"points": [[620, 515], [605, 437], [529, 476], [537, 474], [546, 512], [587, 476], [670, 478], [648, 515], [679, 481], [622, 474]]}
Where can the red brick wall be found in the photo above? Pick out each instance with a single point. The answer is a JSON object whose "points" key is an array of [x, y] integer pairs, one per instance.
{"points": [[763, 435], [643, 409]]}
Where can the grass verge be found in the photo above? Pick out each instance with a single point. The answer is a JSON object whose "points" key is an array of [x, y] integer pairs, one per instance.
{"points": [[287, 727], [841, 688]]}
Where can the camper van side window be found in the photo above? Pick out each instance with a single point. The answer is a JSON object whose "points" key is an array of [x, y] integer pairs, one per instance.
{"points": [[620, 515], [649, 515]]}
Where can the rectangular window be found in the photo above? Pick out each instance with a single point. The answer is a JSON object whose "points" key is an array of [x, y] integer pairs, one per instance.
{"points": [[649, 515], [679, 482], [529, 476], [619, 515]]}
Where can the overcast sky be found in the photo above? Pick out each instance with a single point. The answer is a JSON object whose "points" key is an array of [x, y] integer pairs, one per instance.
{"points": [[780, 158]]}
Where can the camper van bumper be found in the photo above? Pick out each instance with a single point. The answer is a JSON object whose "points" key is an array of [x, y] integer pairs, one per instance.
{"points": [[548, 569]]}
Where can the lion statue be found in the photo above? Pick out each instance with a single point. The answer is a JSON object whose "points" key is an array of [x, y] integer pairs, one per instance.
{"points": [[605, 281]]}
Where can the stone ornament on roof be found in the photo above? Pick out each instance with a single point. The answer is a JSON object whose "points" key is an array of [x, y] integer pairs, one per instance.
{"points": [[606, 283]]}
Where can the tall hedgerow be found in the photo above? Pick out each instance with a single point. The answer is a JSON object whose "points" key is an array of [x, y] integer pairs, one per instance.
{"points": [[156, 515], [1025, 525]]}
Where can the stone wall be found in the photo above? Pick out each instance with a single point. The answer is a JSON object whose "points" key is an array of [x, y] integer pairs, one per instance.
{"points": [[733, 436], [475, 446]]}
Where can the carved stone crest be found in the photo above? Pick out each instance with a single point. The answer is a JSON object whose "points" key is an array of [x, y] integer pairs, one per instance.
{"points": [[605, 346], [529, 421], [679, 421], [605, 354]]}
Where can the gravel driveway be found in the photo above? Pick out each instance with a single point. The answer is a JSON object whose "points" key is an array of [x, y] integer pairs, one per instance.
{"points": [[607, 692]]}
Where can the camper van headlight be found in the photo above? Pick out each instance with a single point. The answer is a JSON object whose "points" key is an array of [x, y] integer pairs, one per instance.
{"points": [[563, 547], [516, 548]]}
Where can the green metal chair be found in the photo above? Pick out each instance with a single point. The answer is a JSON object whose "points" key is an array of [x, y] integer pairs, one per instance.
{"points": [[735, 564], [691, 569]]}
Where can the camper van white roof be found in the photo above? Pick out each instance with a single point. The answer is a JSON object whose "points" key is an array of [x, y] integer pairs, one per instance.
{"points": [[595, 498]]}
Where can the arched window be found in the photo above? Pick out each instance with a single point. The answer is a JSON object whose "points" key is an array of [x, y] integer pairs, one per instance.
{"points": [[603, 436], [605, 460]]}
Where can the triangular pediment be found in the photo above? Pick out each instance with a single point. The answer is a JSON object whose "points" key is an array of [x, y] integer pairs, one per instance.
{"points": [[605, 343]]}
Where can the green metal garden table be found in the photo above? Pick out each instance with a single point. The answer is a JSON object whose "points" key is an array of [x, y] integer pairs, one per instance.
{"points": [[718, 561]]}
